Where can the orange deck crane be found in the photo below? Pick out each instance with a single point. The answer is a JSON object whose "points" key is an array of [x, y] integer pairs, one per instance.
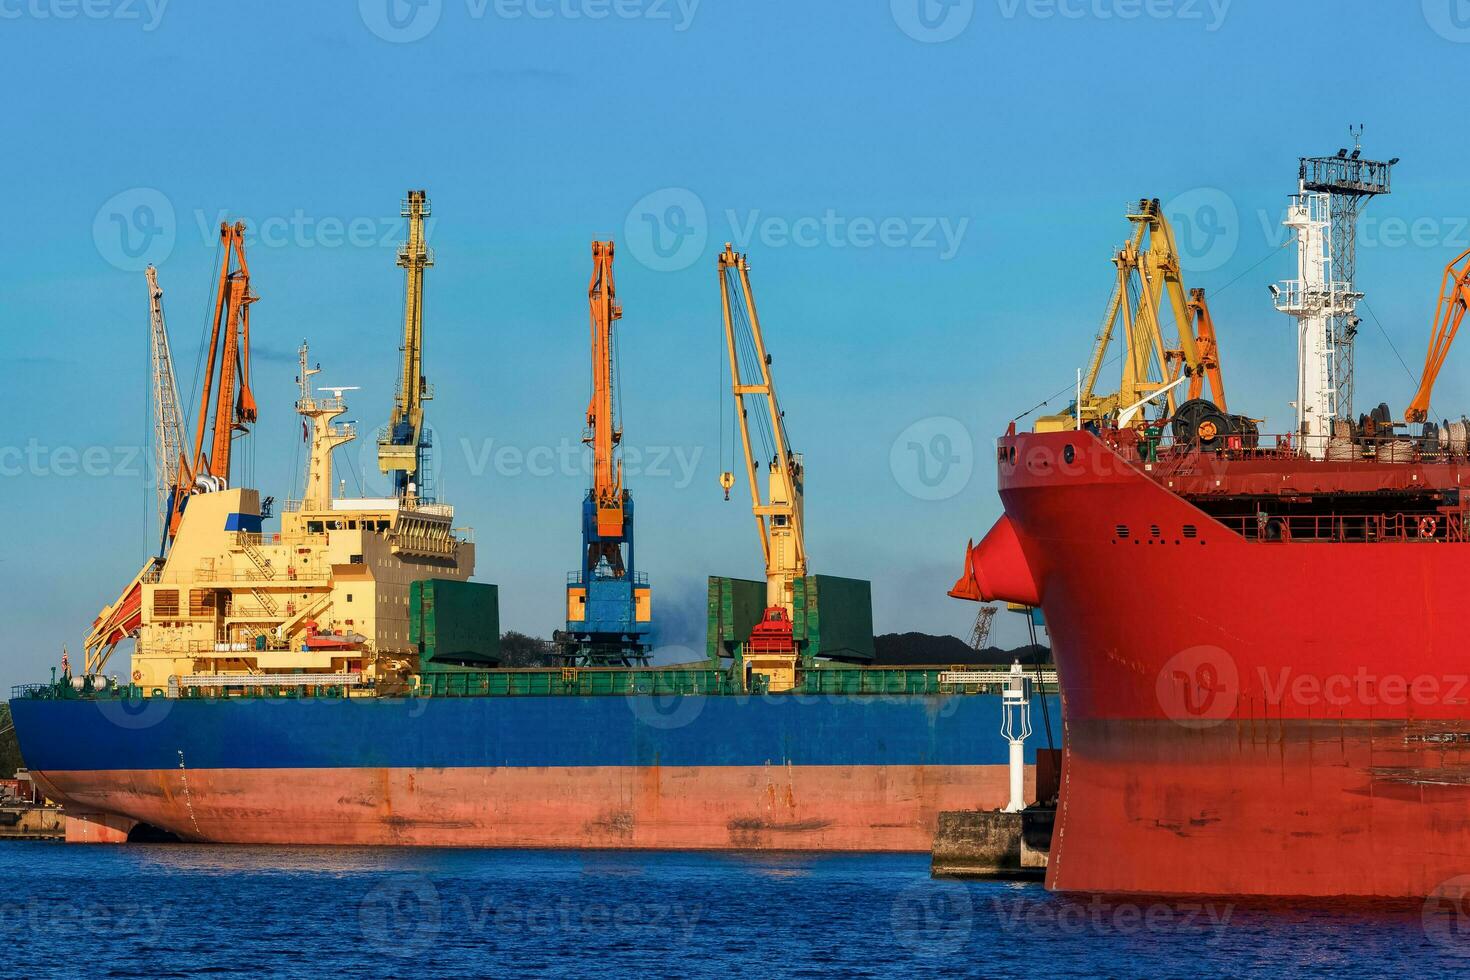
{"points": [[226, 405], [1454, 297], [1207, 349]]}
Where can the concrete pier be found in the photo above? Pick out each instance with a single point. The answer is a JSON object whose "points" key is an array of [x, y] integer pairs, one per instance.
{"points": [[32, 823], [993, 844]]}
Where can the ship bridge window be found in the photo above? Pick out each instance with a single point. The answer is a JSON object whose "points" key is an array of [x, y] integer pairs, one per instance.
{"points": [[354, 560], [314, 527]]}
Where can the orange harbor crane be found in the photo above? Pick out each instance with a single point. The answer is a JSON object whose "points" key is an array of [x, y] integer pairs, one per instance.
{"points": [[609, 603]]}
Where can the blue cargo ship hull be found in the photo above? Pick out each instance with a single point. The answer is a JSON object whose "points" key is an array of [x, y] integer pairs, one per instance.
{"points": [[809, 772]]}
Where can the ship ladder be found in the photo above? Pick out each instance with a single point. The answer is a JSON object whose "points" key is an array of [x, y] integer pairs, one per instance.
{"points": [[259, 559]]}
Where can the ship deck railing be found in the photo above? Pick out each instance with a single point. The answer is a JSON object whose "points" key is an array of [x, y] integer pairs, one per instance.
{"points": [[1348, 528]]}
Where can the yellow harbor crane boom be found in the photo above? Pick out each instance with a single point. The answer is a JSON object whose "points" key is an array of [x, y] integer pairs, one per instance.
{"points": [[780, 517], [401, 447]]}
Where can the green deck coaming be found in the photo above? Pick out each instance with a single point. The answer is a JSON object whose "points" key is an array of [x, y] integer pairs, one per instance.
{"points": [[583, 682], [454, 624]]}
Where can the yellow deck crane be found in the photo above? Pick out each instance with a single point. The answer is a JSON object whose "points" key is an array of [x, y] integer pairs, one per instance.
{"points": [[404, 443], [779, 517], [1148, 286]]}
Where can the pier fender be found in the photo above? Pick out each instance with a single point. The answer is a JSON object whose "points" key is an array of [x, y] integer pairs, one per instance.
{"points": [[996, 569]]}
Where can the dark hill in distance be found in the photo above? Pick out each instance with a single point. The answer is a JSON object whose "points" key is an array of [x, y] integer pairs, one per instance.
{"points": [[911, 649]]}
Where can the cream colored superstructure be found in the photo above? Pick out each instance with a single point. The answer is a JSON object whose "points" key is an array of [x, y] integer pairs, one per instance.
{"points": [[328, 593]]}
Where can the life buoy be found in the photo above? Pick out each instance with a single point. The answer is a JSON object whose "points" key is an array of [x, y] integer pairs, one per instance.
{"points": [[1427, 526], [137, 676]]}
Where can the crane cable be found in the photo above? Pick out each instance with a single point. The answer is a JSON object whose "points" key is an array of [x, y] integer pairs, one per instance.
{"points": [[745, 345]]}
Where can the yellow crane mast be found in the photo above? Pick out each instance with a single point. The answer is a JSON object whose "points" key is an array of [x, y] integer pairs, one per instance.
{"points": [[780, 517], [402, 446]]}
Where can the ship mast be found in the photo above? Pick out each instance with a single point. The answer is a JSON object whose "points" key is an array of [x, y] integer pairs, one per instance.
{"points": [[325, 436], [1315, 298]]}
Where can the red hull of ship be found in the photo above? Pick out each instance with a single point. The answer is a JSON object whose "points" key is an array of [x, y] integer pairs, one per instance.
{"points": [[808, 808], [1242, 717]]}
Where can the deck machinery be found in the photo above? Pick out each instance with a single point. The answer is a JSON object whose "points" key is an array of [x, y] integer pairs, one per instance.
{"points": [[609, 603]]}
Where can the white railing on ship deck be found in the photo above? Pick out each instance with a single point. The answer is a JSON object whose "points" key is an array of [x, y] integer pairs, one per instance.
{"points": [[183, 681], [983, 677]]}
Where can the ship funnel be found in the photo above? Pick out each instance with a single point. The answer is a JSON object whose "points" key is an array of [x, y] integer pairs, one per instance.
{"points": [[996, 569]]}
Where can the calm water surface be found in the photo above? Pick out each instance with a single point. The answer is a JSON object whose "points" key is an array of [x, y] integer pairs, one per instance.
{"points": [[186, 910]]}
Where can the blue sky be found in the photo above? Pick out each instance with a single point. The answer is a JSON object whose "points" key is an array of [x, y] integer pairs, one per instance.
{"points": [[929, 194]]}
